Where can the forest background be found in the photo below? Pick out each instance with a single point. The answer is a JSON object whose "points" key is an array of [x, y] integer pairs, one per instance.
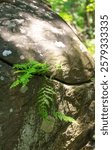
{"points": [[80, 15]]}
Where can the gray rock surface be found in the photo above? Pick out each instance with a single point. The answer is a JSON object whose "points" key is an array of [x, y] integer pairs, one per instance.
{"points": [[30, 30]]}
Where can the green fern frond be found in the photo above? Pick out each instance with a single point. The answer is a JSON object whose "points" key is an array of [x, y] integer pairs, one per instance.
{"points": [[63, 117], [27, 70], [45, 100], [32, 67], [43, 112], [50, 90], [14, 84], [22, 80]]}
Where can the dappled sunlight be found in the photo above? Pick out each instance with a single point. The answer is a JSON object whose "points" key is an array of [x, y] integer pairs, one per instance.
{"points": [[37, 32], [51, 73], [48, 41]]}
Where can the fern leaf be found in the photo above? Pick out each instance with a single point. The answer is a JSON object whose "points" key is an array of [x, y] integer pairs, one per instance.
{"points": [[14, 84], [20, 66], [49, 98], [41, 91], [27, 70], [25, 78], [50, 91], [43, 112], [19, 71], [63, 117], [44, 101]]}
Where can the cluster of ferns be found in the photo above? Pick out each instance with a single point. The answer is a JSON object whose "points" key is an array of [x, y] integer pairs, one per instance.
{"points": [[46, 94]]}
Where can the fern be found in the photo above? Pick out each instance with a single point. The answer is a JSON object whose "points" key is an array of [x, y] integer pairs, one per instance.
{"points": [[45, 100], [61, 116], [27, 70]]}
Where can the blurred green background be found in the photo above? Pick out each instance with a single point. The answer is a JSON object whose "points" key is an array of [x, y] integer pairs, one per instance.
{"points": [[81, 15]]}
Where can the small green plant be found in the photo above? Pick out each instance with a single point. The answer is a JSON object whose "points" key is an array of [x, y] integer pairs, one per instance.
{"points": [[45, 96], [61, 116], [45, 100], [27, 70]]}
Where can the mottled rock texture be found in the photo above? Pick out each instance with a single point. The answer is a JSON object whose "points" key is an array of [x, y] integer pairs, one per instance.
{"points": [[29, 29]]}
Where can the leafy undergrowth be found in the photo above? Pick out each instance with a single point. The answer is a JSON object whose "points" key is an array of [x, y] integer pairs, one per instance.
{"points": [[90, 44]]}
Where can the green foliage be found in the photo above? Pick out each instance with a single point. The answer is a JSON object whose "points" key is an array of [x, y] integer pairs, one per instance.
{"points": [[61, 116], [45, 104], [77, 12], [45, 98], [27, 70], [66, 16], [90, 46], [69, 10], [91, 6]]}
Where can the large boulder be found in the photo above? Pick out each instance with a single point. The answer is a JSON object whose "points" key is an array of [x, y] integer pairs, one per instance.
{"points": [[31, 30]]}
